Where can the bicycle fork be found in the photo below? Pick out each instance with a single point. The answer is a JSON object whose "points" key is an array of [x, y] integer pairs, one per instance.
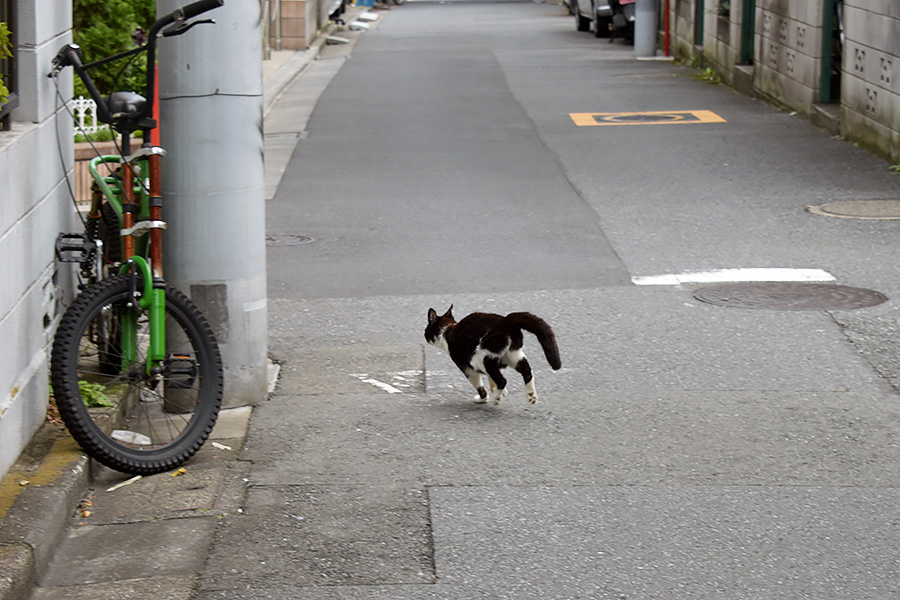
{"points": [[153, 295]]}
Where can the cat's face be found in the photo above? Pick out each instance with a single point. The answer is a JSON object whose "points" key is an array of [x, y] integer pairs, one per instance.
{"points": [[434, 332]]}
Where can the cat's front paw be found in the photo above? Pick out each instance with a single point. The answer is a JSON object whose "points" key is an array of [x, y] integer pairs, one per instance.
{"points": [[532, 397], [498, 395]]}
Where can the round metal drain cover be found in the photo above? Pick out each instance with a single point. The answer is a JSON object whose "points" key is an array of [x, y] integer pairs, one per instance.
{"points": [[789, 296], [879, 210], [288, 239]]}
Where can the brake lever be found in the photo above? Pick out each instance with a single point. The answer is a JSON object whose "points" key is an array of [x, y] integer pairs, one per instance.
{"points": [[183, 26], [61, 60]]}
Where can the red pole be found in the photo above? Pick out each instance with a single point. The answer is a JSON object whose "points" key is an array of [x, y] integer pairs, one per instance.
{"points": [[666, 44], [154, 133]]}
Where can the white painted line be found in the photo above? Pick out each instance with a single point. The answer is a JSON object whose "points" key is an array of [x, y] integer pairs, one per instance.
{"points": [[272, 371], [735, 276], [379, 384]]}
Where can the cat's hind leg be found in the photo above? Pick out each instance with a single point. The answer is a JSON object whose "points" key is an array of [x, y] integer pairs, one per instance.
{"points": [[477, 382], [492, 367], [524, 368]]}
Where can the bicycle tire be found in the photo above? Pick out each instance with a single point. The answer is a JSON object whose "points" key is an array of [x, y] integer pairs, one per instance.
{"points": [[154, 422]]}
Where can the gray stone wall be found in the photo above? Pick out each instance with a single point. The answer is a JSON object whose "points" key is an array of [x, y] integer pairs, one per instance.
{"points": [[34, 207]]}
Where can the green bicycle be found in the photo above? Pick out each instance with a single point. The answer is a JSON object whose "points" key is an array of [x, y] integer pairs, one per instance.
{"points": [[135, 367]]}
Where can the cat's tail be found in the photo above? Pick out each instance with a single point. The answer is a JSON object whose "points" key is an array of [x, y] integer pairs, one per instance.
{"points": [[541, 331]]}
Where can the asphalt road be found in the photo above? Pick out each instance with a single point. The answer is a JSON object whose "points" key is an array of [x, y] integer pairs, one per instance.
{"points": [[684, 450]]}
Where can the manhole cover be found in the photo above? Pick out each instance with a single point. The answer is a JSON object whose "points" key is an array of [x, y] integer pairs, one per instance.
{"points": [[288, 239], [881, 210], [789, 296], [643, 118]]}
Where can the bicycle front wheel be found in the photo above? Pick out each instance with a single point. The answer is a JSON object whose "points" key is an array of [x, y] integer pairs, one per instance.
{"points": [[128, 417]]}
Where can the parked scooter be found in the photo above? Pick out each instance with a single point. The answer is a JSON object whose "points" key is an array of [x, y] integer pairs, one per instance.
{"points": [[622, 19]]}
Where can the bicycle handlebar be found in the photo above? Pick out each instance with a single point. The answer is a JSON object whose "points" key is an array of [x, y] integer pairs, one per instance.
{"points": [[198, 8], [70, 55]]}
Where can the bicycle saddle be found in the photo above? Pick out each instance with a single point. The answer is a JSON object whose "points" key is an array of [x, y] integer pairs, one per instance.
{"points": [[124, 104]]}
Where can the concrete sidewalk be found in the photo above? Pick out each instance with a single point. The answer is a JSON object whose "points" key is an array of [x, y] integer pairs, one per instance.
{"points": [[53, 503]]}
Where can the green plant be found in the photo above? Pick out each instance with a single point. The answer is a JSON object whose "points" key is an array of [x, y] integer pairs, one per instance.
{"points": [[895, 168], [709, 75], [105, 134], [93, 394], [5, 52], [105, 27]]}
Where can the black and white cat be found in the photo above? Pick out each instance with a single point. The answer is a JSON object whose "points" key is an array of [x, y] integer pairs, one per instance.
{"points": [[483, 343]]}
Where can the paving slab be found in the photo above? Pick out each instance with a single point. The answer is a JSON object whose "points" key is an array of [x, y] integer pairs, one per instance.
{"points": [[665, 542], [675, 437], [103, 553], [310, 535], [157, 588], [354, 369], [199, 492], [17, 578]]}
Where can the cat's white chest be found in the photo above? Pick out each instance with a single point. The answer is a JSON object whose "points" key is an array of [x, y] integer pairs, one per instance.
{"points": [[441, 342]]}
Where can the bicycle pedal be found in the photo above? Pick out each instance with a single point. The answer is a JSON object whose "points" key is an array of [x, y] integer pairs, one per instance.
{"points": [[180, 371], [74, 248]]}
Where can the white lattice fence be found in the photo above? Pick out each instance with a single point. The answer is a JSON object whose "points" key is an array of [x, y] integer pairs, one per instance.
{"points": [[85, 111]]}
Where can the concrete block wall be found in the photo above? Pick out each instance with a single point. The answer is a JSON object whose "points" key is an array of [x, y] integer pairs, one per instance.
{"points": [[681, 17], [721, 38], [870, 84], [788, 52], [35, 207], [294, 23], [300, 21]]}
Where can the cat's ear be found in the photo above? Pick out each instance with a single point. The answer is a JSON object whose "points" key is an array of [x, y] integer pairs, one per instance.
{"points": [[432, 316], [449, 312]]}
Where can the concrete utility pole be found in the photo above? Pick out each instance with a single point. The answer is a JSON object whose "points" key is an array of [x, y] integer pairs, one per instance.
{"points": [[210, 85], [645, 24]]}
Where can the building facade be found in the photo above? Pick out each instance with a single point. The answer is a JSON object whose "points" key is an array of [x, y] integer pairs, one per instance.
{"points": [[35, 206]]}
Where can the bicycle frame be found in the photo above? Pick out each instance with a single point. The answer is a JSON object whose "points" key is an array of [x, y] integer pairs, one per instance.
{"points": [[158, 404], [137, 205]]}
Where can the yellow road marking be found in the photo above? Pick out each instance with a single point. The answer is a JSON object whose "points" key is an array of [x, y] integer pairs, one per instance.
{"points": [[661, 117], [62, 455]]}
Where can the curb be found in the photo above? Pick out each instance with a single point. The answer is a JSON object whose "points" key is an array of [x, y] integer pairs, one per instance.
{"points": [[277, 83], [281, 79], [37, 501], [288, 73]]}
